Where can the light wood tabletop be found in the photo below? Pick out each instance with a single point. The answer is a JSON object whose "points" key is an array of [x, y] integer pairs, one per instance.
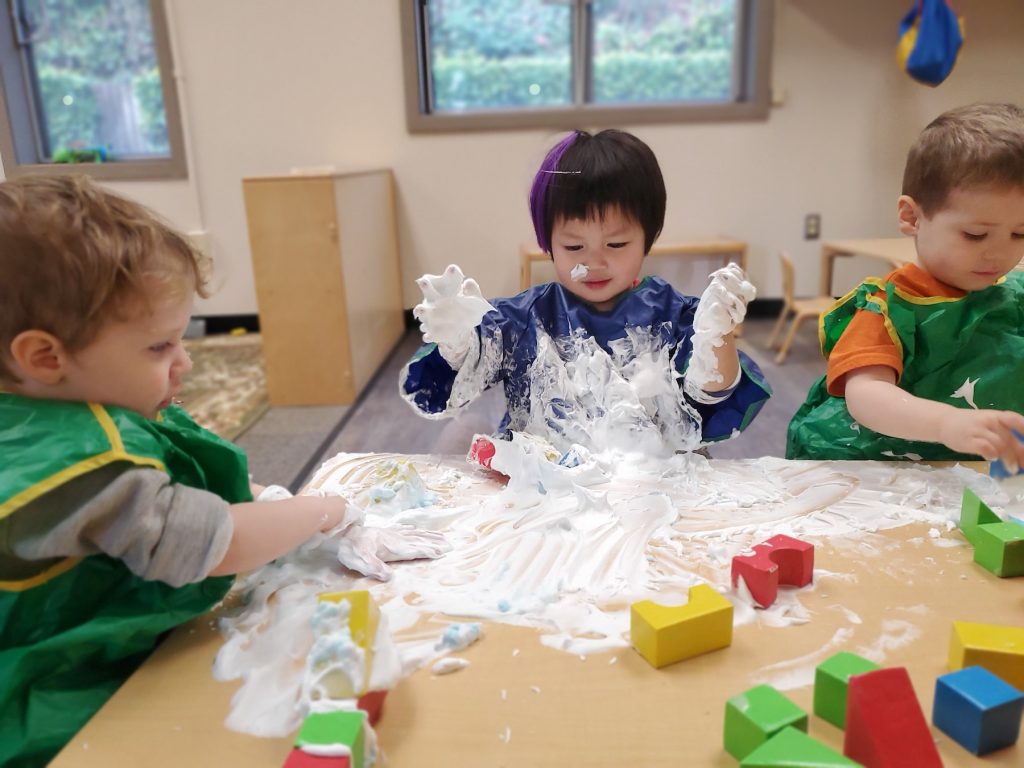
{"points": [[522, 703]]}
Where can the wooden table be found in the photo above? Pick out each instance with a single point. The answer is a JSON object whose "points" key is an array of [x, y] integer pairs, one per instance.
{"points": [[726, 247], [897, 251], [589, 712]]}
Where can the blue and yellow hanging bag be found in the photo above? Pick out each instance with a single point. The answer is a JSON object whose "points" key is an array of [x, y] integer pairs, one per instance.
{"points": [[930, 39]]}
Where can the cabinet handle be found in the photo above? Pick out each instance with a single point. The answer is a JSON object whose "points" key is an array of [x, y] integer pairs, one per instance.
{"points": [[332, 231]]}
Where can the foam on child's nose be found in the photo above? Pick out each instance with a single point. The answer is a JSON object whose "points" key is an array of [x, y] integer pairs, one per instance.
{"points": [[579, 272]]}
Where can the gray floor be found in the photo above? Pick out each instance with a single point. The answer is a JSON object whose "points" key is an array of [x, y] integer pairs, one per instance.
{"points": [[288, 444]]}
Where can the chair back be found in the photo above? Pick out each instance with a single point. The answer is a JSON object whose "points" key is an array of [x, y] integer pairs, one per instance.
{"points": [[787, 277]]}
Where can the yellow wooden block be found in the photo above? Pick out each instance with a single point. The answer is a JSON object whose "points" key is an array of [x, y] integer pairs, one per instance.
{"points": [[997, 648], [665, 634], [364, 616]]}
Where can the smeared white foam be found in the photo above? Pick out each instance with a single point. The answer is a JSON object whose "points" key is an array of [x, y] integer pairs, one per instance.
{"points": [[448, 665], [799, 672], [568, 559], [579, 272]]}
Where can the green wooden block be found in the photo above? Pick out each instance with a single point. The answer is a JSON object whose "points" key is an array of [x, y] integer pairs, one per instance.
{"points": [[831, 679], [973, 513], [999, 548], [754, 716], [342, 726], [790, 748]]}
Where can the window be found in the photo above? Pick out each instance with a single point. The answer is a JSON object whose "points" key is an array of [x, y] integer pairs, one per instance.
{"points": [[472, 64], [87, 87]]}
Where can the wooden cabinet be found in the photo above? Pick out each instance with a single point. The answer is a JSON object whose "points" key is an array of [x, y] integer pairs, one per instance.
{"points": [[325, 261]]}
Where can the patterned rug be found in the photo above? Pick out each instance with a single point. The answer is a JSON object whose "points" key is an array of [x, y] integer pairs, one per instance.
{"points": [[226, 391]]}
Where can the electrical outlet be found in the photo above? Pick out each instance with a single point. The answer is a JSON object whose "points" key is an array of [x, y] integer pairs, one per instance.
{"points": [[812, 226]]}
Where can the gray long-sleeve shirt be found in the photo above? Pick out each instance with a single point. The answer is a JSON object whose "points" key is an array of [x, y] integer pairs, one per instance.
{"points": [[161, 530]]}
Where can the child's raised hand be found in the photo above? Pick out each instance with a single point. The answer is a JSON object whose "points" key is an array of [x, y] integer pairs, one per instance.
{"points": [[451, 310], [986, 433], [723, 305]]}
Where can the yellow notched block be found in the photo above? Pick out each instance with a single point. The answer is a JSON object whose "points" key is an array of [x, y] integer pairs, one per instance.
{"points": [[665, 634], [999, 649]]}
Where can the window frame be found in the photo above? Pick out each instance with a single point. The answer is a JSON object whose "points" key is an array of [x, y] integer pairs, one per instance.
{"points": [[753, 100], [19, 118]]}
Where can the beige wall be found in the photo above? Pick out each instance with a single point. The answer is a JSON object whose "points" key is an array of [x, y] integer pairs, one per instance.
{"points": [[268, 85]]}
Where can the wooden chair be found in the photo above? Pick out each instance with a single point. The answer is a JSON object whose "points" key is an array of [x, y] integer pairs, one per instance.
{"points": [[800, 309]]}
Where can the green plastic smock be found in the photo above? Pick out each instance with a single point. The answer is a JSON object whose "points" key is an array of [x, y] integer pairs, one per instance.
{"points": [[944, 342], [73, 629]]}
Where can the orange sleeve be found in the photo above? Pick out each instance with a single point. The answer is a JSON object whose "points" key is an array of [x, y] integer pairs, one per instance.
{"points": [[864, 342]]}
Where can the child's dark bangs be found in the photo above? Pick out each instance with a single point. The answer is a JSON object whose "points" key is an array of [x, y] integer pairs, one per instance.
{"points": [[585, 199]]}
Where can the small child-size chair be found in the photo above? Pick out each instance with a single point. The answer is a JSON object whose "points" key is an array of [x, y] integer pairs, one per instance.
{"points": [[800, 309]]}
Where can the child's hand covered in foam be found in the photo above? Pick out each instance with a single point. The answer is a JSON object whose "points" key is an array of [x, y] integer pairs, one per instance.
{"points": [[451, 310], [721, 308], [368, 550], [723, 305]]}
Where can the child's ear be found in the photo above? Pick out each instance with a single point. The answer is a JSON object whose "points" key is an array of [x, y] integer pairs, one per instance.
{"points": [[909, 214], [38, 356]]}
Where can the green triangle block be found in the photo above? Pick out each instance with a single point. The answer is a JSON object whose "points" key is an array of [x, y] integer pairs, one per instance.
{"points": [[342, 726], [831, 680], [791, 748], [999, 548], [754, 716], [974, 512]]}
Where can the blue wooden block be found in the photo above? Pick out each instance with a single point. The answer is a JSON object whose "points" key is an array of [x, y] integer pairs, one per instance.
{"points": [[978, 709]]}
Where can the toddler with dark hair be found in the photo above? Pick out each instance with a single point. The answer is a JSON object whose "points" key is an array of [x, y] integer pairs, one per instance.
{"points": [[601, 358]]}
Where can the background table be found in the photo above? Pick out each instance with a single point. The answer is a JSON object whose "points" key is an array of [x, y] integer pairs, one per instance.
{"points": [[897, 251], [726, 247], [591, 711]]}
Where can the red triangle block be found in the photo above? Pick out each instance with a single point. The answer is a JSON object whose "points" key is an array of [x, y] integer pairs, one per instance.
{"points": [[885, 727]]}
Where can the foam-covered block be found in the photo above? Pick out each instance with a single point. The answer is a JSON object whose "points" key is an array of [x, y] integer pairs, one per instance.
{"points": [[299, 759], [790, 748], [885, 727], [340, 727], [481, 451], [997, 648], [779, 560], [665, 634], [756, 715], [831, 679], [980, 711], [363, 618]]}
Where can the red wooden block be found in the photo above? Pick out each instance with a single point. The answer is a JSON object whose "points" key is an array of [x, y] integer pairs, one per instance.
{"points": [[885, 727], [779, 560], [299, 759], [481, 452], [371, 703]]}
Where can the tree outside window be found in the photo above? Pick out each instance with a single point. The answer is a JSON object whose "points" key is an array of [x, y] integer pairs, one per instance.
{"points": [[535, 62], [90, 87]]}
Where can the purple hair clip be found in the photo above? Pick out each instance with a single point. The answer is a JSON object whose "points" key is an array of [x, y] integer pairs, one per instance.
{"points": [[541, 183]]}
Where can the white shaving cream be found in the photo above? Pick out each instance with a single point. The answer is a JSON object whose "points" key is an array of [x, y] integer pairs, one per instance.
{"points": [[565, 550]]}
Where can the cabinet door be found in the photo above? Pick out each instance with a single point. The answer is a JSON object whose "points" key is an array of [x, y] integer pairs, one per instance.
{"points": [[293, 234], [369, 256]]}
